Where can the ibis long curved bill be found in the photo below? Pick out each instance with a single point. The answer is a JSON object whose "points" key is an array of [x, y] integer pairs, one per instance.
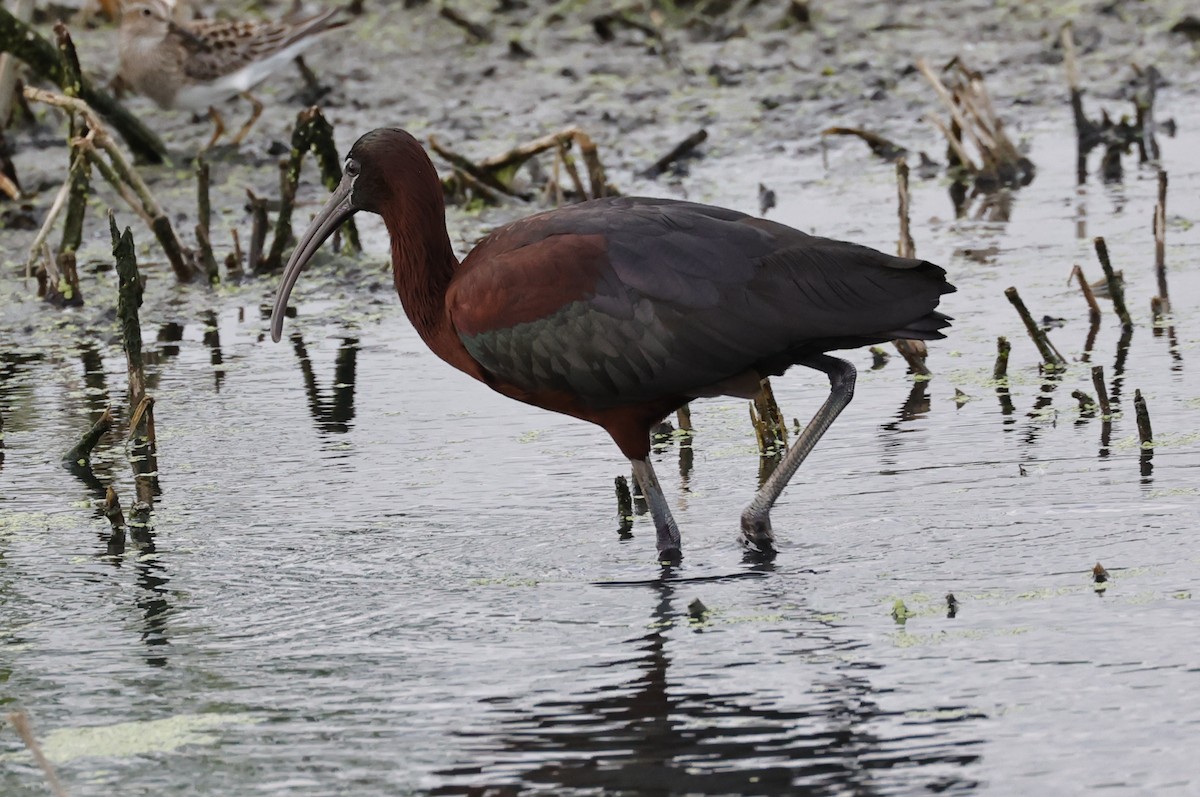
{"points": [[339, 208]]}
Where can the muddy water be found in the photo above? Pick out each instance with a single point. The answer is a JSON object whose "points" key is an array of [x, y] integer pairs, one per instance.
{"points": [[370, 575]]}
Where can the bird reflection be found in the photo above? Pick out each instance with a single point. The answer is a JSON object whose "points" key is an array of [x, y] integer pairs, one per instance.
{"points": [[330, 414], [656, 734]]}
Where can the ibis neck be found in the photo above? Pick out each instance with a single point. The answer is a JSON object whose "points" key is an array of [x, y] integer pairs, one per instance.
{"points": [[423, 264]]}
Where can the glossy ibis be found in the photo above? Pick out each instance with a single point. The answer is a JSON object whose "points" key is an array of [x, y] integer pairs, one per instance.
{"points": [[618, 311]]}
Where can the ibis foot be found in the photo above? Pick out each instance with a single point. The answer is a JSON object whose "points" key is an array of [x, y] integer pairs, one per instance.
{"points": [[670, 556], [757, 535]]}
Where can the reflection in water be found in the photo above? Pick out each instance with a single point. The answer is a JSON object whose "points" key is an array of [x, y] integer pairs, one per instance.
{"points": [[658, 735], [1089, 344], [212, 339], [331, 415], [993, 205], [152, 600], [1042, 406], [94, 379], [915, 407], [169, 334], [1114, 390]]}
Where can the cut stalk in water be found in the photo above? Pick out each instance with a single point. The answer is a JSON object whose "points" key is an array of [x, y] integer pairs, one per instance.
{"points": [[1101, 391], [1145, 433], [1160, 245], [81, 453], [1050, 355], [1000, 369], [1088, 296], [1116, 288]]}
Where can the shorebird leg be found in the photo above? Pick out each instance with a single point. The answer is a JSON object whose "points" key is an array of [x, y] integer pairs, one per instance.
{"points": [[218, 127], [258, 109], [756, 519], [668, 532]]}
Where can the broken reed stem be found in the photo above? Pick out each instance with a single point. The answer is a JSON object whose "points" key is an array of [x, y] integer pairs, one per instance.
{"points": [[624, 499], [98, 136], [39, 240], [770, 427], [329, 160], [129, 299], [258, 231], [1086, 404], [1093, 306], [116, 519], [1116, 289], [79, 179], [1050, 355], [289, 179], [20, 722], [112, 510], [1160, 244], [203, 204], [208, 261], [484, 174], [81, 453], [906, 247], [1000, 369], [683, 417], [681, 150], [569, 164], [914, 352], [1145, 433], [591, 159], [312, 133], [1101, 391]]}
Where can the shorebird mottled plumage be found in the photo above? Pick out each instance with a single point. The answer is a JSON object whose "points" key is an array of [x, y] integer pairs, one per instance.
{"points": [[196, 64]]}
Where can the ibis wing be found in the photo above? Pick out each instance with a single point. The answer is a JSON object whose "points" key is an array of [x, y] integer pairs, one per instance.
{"points": [[622, 301]]}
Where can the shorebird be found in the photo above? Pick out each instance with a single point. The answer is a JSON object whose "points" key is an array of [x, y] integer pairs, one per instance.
{"points": [[196, 64]]}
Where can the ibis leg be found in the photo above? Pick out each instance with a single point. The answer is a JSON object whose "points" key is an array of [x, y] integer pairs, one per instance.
{"points": [[664, 524], [756, 520]]}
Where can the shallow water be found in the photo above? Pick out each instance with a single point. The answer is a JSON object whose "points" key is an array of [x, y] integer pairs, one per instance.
{"points": [[370, 575]]}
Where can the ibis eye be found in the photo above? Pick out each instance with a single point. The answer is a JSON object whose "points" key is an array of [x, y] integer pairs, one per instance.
{"points": [[352, 168]]}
